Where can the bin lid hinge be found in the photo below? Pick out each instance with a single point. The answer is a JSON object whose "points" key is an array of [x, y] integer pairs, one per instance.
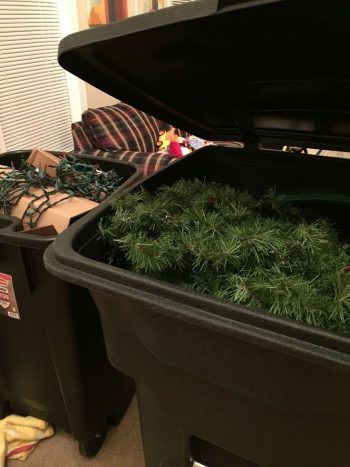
{"points": [[242, 117]]}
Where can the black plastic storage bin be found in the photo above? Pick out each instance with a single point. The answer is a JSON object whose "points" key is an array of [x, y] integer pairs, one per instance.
{"points": [[53, 361], [217, 383], [211, 374]]}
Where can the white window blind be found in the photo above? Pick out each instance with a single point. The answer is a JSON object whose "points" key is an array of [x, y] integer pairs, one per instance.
{"points": [[34, 103]]}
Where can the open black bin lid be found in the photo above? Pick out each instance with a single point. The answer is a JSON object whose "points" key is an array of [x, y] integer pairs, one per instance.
{"points": [[253, 70]]}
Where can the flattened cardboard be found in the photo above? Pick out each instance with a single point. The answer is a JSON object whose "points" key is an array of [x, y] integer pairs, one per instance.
{"points": [[59, 216], [44, 160]]}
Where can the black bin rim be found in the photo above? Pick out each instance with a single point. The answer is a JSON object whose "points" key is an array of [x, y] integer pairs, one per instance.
{"points": [[10, 233]]}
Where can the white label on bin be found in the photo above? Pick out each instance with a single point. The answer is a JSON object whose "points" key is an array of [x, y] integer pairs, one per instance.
{"points": [[8, 302]]}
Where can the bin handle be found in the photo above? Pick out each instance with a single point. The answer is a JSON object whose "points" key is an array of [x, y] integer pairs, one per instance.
{"points": [[12, 224], [230, 5]]}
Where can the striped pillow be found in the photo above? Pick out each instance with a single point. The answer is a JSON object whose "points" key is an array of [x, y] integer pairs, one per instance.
{"points": [[121, 126], [80, 138], [149, 162]]}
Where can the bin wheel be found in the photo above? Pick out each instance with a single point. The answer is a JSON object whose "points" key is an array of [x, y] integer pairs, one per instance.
{"points": [[90, 447], [115, 418]]}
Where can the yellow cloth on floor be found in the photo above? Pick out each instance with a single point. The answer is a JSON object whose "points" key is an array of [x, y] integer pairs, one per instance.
{"points": [[19, 435]]}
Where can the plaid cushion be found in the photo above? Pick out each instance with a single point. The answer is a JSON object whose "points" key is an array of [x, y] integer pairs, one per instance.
{"points": [[121, 126], [150, 162], [80, 138]]}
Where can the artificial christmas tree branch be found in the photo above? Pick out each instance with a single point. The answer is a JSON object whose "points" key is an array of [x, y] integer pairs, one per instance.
{"points": [[216, 240]]}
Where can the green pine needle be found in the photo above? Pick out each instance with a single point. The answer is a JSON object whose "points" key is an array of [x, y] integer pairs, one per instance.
{"points": [[213, 239]]}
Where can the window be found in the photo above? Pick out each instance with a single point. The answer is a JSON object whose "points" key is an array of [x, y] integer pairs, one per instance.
{"points": [[34, 103], [180, 2]]}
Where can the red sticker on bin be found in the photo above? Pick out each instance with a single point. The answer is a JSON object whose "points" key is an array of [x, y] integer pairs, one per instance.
{"points": [[5, 279], [8, 302]]}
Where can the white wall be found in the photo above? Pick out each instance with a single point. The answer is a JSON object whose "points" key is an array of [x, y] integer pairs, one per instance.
{"points": [[76, 88], [94, 97], [82, 92]]}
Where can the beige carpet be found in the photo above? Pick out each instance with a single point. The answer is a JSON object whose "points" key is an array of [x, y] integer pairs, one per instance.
{"points": [[122, 448]]}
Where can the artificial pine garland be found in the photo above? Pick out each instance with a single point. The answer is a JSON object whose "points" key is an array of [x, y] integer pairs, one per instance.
{"points": [[216, 240], [73, 177]]}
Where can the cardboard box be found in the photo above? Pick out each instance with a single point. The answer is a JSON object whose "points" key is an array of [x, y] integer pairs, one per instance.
{"points": [[44, 160], [59, 216]]}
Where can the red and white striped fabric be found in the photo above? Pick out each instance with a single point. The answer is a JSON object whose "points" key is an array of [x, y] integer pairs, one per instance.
{"points": [[19, 435]]}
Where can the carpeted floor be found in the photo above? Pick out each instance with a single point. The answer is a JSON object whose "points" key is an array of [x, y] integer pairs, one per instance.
{"points": [[122, 448]]}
